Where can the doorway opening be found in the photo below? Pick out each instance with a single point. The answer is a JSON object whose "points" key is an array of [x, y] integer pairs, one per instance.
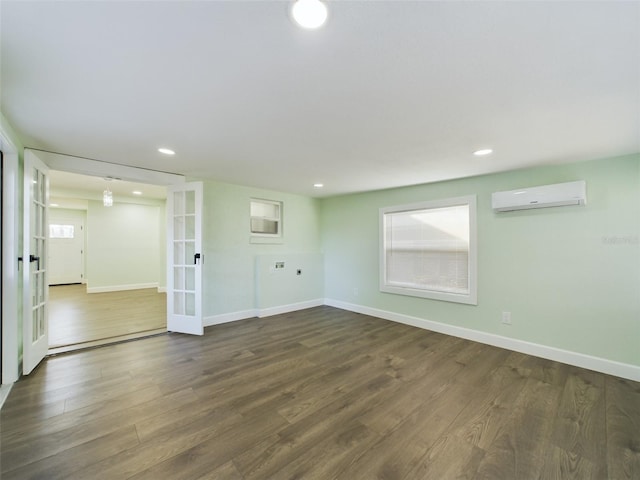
{"points": [[107, 264]]}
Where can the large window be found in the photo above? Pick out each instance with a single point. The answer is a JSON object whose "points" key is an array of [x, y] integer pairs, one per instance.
{"points": [[428, 250]]}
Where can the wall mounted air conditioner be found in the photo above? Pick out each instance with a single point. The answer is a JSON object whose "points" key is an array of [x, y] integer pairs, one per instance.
{"points": [[557, 195]]}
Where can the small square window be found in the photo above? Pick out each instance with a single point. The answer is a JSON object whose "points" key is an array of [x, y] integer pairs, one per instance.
{"points": [[266, 218], [61, 231]]}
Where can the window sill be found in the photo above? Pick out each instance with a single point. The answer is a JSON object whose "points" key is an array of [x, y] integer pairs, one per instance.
{"points": [[266, 240]]}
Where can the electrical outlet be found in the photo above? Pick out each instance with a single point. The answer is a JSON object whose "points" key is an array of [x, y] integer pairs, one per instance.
{"points": [[356, 292], [506, 318]]}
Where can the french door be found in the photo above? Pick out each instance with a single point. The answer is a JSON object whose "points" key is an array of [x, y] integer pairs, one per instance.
{"points": [[184, 258], [34, 262]]}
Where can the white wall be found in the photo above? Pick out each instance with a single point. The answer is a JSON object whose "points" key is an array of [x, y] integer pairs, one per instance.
{"points": [[124, 246]]}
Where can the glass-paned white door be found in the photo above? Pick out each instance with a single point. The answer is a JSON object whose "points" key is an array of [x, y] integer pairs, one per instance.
{"points": [[34, 262], [184, 258]]}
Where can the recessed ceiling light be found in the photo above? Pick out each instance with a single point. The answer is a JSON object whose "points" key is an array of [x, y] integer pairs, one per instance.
{"points": [[137, 192], [54, 205], [318, 185], [166, 151], [309, 13], [483, 152]]}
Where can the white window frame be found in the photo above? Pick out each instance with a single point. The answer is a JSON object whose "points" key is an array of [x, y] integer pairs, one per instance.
{"points": [[471, 297], [277, 219]]}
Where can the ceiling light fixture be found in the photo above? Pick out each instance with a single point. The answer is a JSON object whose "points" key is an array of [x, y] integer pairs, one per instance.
{"points": [[318, 185], [137, 192], [309, 14], [483, 152], [166, 151], [107, 198]]}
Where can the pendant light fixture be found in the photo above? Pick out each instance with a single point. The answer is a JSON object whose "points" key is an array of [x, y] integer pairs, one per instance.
{"points": [[107, 198], [309, 14]]}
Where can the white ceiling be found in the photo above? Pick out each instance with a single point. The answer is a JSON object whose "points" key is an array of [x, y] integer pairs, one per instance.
{"points": [[387, 93]]}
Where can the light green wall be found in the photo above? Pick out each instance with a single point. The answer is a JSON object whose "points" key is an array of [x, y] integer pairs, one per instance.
{"points": [[570, 275], [276, 287], [123, 244], [229, 273]]}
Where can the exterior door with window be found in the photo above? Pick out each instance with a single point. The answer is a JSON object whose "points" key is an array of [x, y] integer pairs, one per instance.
{"points": [[184, 258], [34, 262], [66, 250]]}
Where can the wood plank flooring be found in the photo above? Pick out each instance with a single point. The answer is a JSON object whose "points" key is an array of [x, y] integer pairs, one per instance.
{"points": [[317, 394], [76, 317]]}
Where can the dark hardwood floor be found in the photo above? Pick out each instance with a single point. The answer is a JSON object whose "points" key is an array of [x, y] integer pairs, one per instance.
{"points": [[317, 394]]}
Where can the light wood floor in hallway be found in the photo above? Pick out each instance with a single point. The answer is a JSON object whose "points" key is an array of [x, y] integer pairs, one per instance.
{"points": [[317, 394], [77, 317]]}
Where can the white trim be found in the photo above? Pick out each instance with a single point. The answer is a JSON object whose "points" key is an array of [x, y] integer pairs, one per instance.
{"points": [[162, 289], [292, 307], [603, 365], [261, 312], [10, 267], [229, 317], [120, 288], [4, 393]]}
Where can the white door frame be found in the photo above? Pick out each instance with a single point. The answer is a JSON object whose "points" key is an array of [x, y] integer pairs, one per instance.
{"points": [[10, 254]]}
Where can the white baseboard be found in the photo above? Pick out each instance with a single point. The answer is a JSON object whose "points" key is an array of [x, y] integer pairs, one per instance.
{"points": [[120, 288], [229, 317], [292, 307], [611, 367], [260, 313]]}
